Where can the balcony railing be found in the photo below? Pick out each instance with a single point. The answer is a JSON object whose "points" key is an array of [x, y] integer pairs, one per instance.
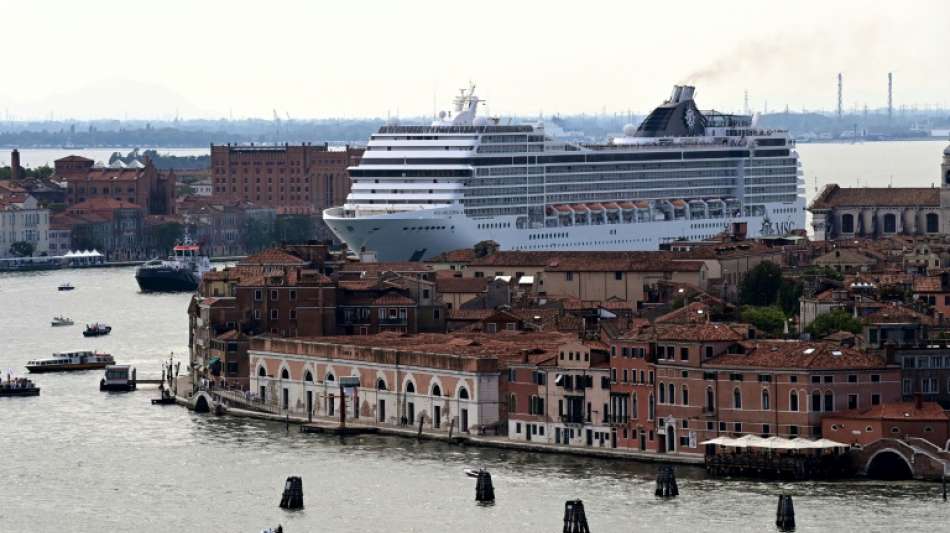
{"points": [[618, 419], [572, 419]]}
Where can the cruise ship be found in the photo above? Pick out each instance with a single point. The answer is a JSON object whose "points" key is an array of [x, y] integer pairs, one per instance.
{"points": [[682, 174]]}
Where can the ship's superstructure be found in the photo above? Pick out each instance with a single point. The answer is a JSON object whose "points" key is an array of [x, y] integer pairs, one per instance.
{"points": [[682, 174]]}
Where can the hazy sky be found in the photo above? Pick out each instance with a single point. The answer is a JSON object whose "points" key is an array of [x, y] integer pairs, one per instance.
{"points": [[204, 58]]}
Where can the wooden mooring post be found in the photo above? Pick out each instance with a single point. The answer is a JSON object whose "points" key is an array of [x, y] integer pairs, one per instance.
{"points": [[292, 499], [785, 514], [666, 486], [484, 490], [575, 520]]}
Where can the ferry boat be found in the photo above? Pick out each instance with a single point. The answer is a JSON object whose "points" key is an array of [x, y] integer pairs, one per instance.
{"points": [[681, 174], [61, 321], [18, 387], [66, 361], [179, 273], [96, 330], [118, 378]]}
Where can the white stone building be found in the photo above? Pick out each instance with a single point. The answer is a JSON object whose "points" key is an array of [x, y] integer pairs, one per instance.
{"points": [[21, 219], [870, 212]]}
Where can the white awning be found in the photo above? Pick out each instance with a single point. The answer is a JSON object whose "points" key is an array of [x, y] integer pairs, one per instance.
{"points": [[774, 443]]}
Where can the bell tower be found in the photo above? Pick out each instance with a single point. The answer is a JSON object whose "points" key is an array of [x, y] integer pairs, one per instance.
{"points": [[945, 178]]}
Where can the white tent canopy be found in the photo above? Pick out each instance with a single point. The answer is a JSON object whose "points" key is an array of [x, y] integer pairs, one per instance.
{"points": [[774, 443]]}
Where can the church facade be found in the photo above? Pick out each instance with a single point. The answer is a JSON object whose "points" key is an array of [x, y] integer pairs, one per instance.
{"points": [[869, 212]]}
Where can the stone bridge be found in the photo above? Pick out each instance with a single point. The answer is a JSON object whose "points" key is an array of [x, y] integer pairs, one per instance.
{"points": [[909, 458]]}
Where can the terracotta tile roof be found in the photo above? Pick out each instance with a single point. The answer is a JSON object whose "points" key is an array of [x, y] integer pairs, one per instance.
{"points": [[101, 204], [904, 411], [393, 266], [706, 332], [898, 314], [798, 355], [845, 255], [358, 284], [507, 346], [230, 335], [928, 284], [695, 312], [463, 255], [834, 196], [456, 285], [272, 256], [74, 159], [470, 314], [393, 299]]}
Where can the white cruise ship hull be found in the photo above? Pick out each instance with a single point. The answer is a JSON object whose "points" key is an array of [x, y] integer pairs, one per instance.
{"points": [[421, 234]]}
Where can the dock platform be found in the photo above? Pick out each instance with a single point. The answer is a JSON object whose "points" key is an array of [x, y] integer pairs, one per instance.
{"points": [[334, 429]]}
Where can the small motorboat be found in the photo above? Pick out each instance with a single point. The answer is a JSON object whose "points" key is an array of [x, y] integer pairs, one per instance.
{"points": [[62, 321], [18, 387], [96, 330], [471, 472], [66, 287], [118, 378]]}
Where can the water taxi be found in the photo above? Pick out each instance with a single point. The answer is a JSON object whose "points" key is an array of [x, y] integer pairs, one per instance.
{"points": [[62, 321], [96, 330]]}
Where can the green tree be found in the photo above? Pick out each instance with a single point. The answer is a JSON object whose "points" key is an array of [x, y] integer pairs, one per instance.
{"points": [[293, 228], [22, 249], [255, 235], [485, 248], [836, 320], [164, 236], [760, 285], [771, 320], [83, 238], [788, 296]]}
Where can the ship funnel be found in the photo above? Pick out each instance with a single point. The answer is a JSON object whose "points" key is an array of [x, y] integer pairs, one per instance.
{"points": [[687, 93], [677, 91]]}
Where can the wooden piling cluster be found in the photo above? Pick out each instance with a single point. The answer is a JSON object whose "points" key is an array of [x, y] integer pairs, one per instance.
{"points": [[575, 520], [484, 490], [785, 514], [666, 482], [292, 499]]}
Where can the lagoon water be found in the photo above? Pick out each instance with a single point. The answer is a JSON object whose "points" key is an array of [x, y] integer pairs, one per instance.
{"points": [[77, 460]]}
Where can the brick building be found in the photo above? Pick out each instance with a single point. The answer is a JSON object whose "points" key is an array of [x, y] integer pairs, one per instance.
{"points": [[142, 185], [298, 179]]}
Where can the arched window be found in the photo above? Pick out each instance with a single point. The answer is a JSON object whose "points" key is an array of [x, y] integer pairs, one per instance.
{"points": [[710, 399], [330, 377], [463, 393], [308, 376], [662, 393], [765, 400], [262, 372], [671, 393], [847, 223], [410, 388], [793, 401], [380, 384], [651, 408], [284, 374], [946, 179], [816, 401], [436, 390], [512, 403], [685, 395], [829, 401], [890, 223], [737, 399], [933, 223]]}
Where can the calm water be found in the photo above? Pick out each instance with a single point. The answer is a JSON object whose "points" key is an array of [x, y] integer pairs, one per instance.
{"points": [[77, 460]]}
